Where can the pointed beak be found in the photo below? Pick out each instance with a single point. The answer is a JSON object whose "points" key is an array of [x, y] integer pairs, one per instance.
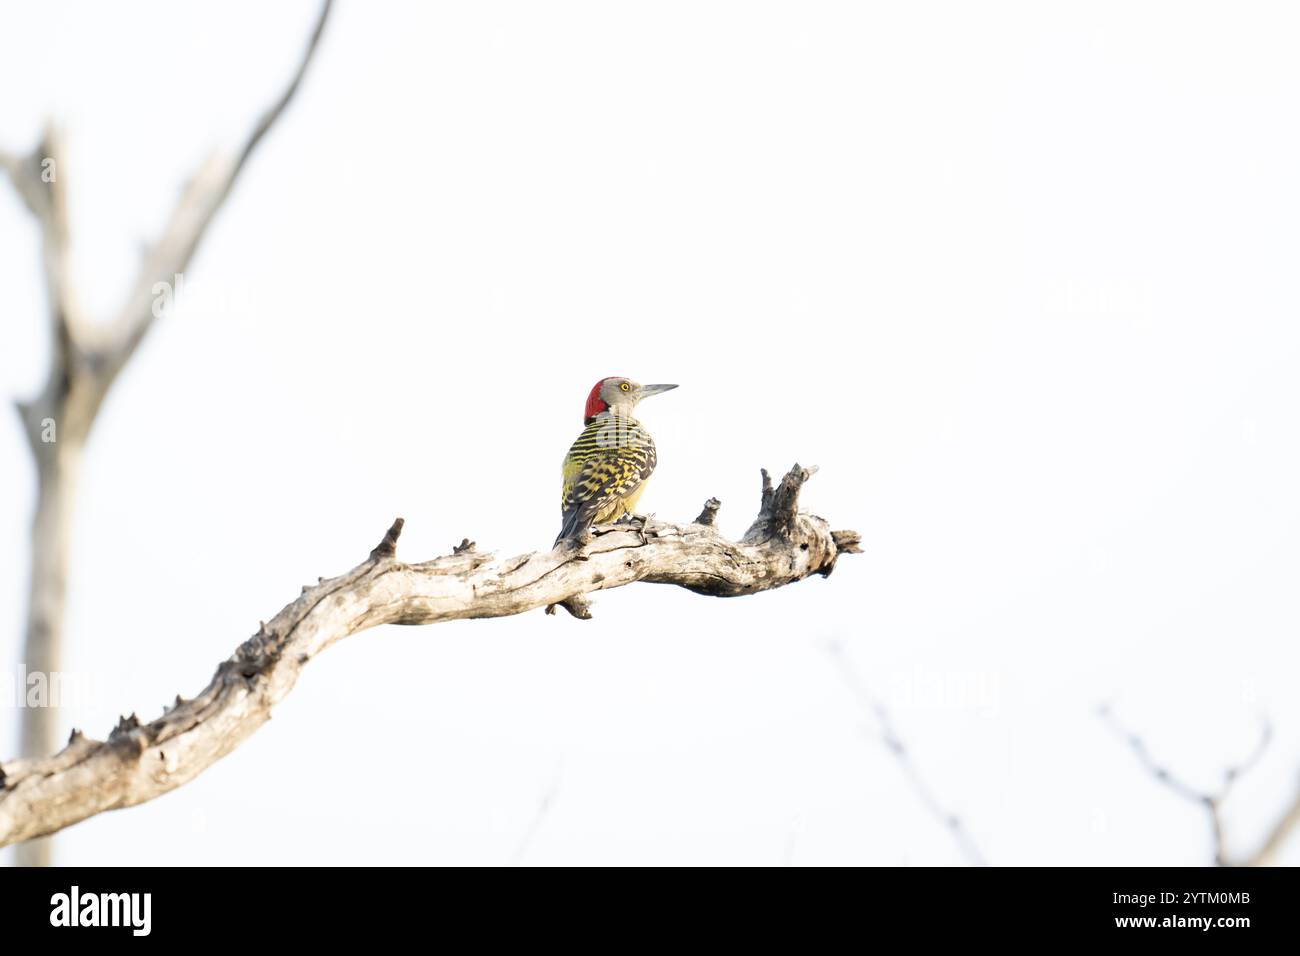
{"points": [[648, 390]]}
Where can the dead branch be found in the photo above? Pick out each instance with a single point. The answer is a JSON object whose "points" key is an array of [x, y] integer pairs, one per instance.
{"points": [[85, 360], [884, 727], [141, 761], [1212, 800]]}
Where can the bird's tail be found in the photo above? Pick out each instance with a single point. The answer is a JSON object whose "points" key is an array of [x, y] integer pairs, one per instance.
{"points": [[575, 520]]}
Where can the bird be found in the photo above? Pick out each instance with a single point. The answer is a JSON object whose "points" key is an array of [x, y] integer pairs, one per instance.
{"points": [[607, 466]]}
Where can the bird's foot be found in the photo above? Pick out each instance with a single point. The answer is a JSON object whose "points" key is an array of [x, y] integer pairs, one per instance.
{"points": [[639, 524]]}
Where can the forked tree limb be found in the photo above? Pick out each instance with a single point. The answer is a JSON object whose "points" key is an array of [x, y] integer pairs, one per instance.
{"points": [[88, 355], [85, 359], [1212, 801], [141, 761]]}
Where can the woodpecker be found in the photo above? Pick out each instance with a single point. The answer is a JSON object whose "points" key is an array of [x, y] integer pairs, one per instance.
{"points": [[606, 469]]}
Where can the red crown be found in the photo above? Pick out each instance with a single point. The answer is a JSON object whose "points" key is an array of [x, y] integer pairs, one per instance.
{"points": [[595, 405]]}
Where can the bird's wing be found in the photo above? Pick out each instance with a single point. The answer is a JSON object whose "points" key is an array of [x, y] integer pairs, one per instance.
{"points": [[596, 478], [601, 480]]}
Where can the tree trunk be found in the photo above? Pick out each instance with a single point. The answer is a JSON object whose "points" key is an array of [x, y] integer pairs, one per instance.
{"points": [[51, 540], [86, 359]]}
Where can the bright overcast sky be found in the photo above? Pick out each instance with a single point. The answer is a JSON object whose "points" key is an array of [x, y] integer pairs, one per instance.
{"points": [[1019, 278]]}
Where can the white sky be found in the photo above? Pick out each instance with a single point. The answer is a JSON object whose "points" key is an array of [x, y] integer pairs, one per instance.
{"points": [[1019, 278]]}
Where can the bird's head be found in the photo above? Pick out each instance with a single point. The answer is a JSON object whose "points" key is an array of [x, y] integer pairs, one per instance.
{"points": [[620, 394]]}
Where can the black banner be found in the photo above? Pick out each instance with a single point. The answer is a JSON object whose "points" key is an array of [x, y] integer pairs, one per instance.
{"points": [[1147, 907]]}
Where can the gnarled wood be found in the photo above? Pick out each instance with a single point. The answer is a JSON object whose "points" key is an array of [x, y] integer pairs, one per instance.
{"points": [[140, 761]]}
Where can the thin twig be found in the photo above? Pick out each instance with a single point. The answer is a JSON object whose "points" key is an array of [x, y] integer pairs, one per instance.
{"points": [[544, 808], [1210, 800], [879, 715]]}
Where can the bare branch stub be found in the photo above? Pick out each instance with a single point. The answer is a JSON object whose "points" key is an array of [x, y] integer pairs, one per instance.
{"points": [[848, 542], [141, 761], [577, 605], [387, 548], [778, 514], [710, 512]]}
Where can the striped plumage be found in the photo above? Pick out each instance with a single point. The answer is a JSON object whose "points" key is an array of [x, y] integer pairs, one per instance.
{"points": [[606, 468]]}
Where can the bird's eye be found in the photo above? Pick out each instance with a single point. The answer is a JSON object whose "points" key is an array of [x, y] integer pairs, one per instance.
{"points": [[625, 387]]}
